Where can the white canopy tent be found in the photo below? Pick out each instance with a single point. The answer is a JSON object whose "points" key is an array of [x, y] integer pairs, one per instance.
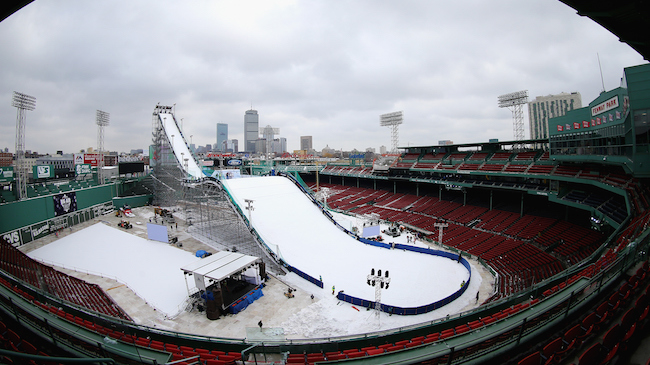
{"points": [[223, 265]]}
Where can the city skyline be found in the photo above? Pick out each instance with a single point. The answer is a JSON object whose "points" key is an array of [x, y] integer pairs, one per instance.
{"points": [[305, 68]]}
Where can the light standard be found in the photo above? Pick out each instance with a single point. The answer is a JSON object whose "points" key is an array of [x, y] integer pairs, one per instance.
{"points": [[23, 103], [440, 227], [379, 282], [250, 208]]}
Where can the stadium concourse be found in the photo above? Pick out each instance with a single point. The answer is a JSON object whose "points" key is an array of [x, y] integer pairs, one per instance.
{"points": [[127, 266]]}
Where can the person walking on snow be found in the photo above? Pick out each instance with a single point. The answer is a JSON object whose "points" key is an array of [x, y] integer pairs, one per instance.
{"points": [[333, 288]]}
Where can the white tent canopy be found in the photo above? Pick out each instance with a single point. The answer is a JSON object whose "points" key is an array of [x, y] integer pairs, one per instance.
{"points": [[220, 266]]}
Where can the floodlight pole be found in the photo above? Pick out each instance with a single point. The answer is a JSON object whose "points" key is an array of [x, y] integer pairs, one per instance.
{"points": [[392, 120], [440, 227], [24, 103], [250, 208], [184, 164], [102, 120], [514, 102], [379, 282]]}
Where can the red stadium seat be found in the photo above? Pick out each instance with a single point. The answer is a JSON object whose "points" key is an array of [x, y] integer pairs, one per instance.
{"points": [[591, 356], [549, 352], [532, 359]]}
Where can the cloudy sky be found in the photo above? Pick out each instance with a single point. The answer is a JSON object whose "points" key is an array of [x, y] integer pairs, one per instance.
{"points": [[322, 68]]}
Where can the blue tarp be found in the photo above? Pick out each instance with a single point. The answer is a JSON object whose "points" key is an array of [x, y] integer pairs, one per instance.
{"points": [[201, 253], [246, 300]]}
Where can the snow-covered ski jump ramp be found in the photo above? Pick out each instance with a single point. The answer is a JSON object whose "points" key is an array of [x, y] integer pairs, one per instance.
{"points": [[180, 148], [297, 231]]}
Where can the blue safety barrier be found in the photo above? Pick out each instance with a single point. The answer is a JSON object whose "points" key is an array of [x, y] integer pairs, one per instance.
{"points": [[305, 276]]}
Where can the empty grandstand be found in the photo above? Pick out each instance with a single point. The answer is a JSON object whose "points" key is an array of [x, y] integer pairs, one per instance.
{"points": [[563, 228]]}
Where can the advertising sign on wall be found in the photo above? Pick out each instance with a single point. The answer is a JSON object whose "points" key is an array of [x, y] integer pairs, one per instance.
{"points": [[65, 203], [606, 105], [40, 230], [87, 158], [43, 171], [12, 237], [83, 169], [6, 174]]}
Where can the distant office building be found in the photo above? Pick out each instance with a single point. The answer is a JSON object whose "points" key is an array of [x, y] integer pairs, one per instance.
{"points": [[251, 130], [550, 106], [306, 143], [382, 150], [222, 137], [58, 161], [232, 145], [279, 145], [6, 158], [259, 146]]}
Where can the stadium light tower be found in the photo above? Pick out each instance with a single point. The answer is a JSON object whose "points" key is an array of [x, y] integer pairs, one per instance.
{"points": [[440, 226], [392, 120], [379, 282], [24, 103], [102, 120], [514, 102], [250, 209]]}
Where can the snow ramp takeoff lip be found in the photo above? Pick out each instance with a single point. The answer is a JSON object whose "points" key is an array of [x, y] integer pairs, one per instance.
{"points": [[296, 229]]}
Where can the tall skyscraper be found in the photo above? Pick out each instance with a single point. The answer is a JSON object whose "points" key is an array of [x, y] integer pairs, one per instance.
{"points": [[550, 106], [222, 137], [251, 130], [305, 143]]}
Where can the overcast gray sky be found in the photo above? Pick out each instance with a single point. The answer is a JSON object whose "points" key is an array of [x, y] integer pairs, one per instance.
{"points": [[322, 68]]}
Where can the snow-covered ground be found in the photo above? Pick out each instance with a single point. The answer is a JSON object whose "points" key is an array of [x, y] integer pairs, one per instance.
{"points": [[150, 268], [299, 232], [296, 229]]}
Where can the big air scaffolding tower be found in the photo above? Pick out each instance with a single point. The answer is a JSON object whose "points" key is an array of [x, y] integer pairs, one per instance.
{"points": [[167, 172], [180, 185], [213, 220]]}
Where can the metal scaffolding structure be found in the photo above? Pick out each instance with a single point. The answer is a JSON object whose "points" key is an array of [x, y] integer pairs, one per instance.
{"points": [[167, 173], [208, 212], [215, 222]]}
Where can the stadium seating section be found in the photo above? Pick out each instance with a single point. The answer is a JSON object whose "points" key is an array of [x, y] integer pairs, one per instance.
{"points": [[62, 286], [523, 249]]}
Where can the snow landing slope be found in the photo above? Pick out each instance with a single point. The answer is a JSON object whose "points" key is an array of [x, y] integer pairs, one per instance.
{"points": [[296, 229]]}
